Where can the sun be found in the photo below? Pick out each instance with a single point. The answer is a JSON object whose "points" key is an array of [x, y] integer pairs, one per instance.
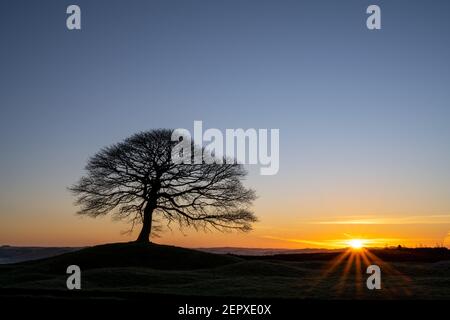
{"points": [[356, 243]]}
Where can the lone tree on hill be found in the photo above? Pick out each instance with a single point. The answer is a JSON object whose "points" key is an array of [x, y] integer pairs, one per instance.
{"points": [[137, 180]]}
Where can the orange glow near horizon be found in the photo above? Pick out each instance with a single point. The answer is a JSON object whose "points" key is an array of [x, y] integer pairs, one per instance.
{"points": [[55, 224], [86, 231]]}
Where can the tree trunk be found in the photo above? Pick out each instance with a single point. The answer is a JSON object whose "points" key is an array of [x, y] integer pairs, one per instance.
{"points": [[144, 236]]}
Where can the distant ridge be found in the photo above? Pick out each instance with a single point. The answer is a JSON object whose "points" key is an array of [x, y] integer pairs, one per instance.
{"points": [[12, 254], [263, 251]]}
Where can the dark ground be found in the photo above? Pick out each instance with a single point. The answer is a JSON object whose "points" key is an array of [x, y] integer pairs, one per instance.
{"points": [[130, 270]]}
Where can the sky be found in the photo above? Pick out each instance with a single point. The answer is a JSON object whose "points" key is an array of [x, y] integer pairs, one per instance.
{"points": [[363, 115]]}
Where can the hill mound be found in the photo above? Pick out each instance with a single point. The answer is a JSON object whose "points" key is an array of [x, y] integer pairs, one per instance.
{"points": [[131, 254]]}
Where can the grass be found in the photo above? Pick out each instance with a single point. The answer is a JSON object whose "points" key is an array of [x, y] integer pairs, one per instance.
{"points": [[131, 268]]}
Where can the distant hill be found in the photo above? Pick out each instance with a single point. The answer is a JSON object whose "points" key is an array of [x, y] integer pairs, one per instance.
{"points": [[389, 254], [263, 251], [10, 254]]}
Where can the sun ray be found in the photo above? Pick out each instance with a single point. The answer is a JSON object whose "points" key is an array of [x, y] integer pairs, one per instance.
{"points": [[329, 268], [342, 282], [390, 270], [358, 275]]}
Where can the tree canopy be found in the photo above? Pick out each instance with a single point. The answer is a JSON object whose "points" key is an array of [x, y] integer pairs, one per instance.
{"points": [[137, 180]]}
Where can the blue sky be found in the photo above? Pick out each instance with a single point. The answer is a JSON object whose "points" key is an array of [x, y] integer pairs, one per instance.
{"points": [[362, 114]]}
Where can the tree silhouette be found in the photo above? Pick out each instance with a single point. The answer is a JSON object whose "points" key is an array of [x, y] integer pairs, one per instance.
{"points": [[137, 180]]}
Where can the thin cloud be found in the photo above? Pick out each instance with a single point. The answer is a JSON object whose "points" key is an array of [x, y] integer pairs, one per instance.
{"points": [[326, 243], [423, 219]]}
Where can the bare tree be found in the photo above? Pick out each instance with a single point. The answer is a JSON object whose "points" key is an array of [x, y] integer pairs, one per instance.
{"points": [[137, 180]]}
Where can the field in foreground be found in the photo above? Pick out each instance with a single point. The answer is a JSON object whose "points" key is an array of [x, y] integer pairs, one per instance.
{"points": [[126, 270]]}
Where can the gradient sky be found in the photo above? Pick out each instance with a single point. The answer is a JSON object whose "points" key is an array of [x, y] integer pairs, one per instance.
{"points": [[364, 116]]}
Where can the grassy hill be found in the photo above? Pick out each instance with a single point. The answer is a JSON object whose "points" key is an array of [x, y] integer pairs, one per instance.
{"points": [[133, 269], [131, 254]]}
